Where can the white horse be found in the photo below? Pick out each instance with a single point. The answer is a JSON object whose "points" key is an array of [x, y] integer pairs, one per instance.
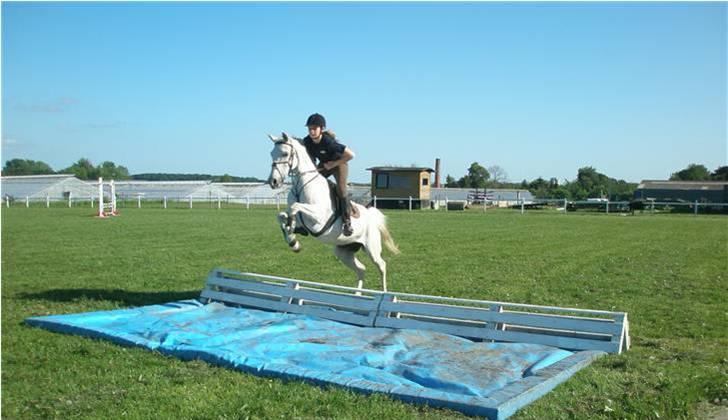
{"points": [[310, 207]]}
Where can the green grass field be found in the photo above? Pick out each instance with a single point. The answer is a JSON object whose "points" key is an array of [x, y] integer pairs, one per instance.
{"points": [[668, 271]]}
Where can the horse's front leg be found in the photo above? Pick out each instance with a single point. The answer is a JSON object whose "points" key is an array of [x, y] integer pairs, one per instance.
{"points": [[285, 219], [310, 210]]}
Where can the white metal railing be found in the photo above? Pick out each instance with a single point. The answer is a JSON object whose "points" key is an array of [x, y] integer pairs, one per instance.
{"points": [[408, 203]]}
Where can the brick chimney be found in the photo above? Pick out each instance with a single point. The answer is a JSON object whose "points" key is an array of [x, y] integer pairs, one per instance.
{"points": [[437, 173]]}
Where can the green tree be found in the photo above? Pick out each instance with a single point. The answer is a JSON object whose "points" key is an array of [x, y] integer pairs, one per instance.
{"points": [[588, 178], [560, 193], [477, 177], [109, 170], [82, 169], [539, 188], [720, 174], [26, 167], [693, 172], [450, 182]]}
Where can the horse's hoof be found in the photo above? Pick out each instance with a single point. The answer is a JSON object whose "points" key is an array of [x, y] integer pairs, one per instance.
{"points": [[296, 247]]}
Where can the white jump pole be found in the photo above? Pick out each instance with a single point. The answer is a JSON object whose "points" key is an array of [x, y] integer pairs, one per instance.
{"points": [[165, 201], [410, 203], [48, 201], [101, 197], [139, 201], [111, 204], [70, 194], [27, 201], [113, 197]]}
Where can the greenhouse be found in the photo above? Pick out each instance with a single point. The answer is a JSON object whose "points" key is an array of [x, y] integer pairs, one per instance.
{"points": [[47, 187]]}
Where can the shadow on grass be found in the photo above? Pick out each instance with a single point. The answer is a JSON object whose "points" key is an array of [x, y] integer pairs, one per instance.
{"points": [[116, 295]]}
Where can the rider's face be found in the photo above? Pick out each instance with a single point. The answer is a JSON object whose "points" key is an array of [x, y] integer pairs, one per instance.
{"points": [[314, 131]]}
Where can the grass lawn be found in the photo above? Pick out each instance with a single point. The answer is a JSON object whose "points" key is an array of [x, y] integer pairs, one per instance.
{"points": [[670, 272]]}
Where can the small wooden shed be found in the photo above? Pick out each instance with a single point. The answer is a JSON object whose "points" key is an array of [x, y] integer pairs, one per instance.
{"points": [[393, 186]]}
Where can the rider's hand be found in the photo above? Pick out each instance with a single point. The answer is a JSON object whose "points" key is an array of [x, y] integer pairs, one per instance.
{"points": [[329, 165]]}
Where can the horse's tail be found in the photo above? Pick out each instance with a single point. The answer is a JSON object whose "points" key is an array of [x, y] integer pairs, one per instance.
{"points": [[381, 221]]}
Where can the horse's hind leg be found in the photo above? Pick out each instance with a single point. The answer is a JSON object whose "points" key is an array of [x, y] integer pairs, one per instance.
{"points": [[374, 250], [348, 257]]}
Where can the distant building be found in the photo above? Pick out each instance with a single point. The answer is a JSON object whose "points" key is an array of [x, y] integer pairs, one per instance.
{"points": [[392, 186], [690, 191], [494, 196], [179, 190], [42, 187]]}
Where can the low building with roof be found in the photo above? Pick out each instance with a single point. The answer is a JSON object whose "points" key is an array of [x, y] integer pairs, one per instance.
{"points": [[500, 197], [231, 192], [46, 187], [393, 186], [687, 191]]}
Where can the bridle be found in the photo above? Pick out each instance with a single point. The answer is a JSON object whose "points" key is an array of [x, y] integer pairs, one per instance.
{"points": [[298, 174], [289, 162]]}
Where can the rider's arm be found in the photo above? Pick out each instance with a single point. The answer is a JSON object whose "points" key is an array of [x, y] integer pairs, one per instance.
{"points": [[346, 156]]}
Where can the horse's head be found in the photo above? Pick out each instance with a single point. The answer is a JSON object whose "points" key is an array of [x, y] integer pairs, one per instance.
{"points": [[284, 159]]}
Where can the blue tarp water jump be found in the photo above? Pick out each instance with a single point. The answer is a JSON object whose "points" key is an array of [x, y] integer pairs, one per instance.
{"points": [[413, 365]]}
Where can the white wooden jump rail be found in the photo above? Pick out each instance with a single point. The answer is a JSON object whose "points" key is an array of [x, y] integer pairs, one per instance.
{"points": [[107, 209], [567, 328]]}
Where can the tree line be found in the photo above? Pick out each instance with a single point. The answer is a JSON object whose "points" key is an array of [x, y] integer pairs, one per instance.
{"points": [[589, 183], [86, 170]]}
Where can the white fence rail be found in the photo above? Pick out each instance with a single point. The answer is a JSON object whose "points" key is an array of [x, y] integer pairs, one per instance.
{"points": [[128, 201]]}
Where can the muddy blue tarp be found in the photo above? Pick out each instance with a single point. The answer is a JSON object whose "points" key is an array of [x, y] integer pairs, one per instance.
{"points": [[413, 365]]}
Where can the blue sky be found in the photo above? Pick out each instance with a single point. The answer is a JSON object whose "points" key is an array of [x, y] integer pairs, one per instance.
{"points": [[636, 90]]}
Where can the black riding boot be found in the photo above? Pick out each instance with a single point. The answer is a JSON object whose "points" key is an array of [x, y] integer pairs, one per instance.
{"points": [[346, 217]]}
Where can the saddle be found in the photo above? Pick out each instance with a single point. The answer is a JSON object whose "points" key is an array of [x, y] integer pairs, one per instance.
{"points": [[336, 203]]}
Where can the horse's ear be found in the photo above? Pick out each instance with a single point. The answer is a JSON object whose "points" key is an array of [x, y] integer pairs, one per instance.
{"points": [[273, 139], [284, 135]]}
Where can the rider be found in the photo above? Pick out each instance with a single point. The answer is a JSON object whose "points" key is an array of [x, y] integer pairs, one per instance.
{"points": [[333, 158]]}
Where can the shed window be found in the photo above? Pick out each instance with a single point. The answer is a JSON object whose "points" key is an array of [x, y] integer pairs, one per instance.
{"points": [[382, 180], [401, 181], [425, 181]]}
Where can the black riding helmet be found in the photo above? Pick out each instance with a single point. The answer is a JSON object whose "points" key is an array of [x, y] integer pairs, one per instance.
{"points": [[317, 120]]}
